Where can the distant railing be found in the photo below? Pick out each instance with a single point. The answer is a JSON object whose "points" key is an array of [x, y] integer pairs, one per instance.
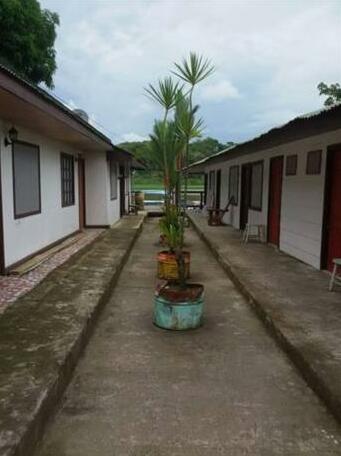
{"points": [[195, 198]]}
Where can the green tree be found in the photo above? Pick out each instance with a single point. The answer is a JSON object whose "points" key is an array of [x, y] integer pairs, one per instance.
{"points": [[202, 148], [333, 93], [27, 36], [198, 149]]}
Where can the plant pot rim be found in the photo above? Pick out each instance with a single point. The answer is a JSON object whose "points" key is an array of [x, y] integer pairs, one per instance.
{"points": [[168, 252], [177, 296]]}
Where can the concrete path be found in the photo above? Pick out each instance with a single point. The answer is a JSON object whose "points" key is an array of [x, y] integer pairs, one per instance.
{"points": [[44, 332], [293, 299], [224, 389]]}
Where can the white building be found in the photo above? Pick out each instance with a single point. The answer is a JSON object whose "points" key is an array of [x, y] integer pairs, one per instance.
{"points": [[59, 174], [289, 180]]}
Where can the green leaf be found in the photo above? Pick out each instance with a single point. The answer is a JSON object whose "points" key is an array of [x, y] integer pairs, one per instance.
{"points": [[194, 69], [165, 94]]}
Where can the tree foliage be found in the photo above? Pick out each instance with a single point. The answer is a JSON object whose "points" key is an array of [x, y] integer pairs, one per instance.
{"points": [[27, 36], [198, 149], [333, 93]]}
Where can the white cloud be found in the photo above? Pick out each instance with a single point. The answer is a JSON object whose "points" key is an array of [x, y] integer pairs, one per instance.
{"points": [[127, 137], [219, 91], [274, 52]]}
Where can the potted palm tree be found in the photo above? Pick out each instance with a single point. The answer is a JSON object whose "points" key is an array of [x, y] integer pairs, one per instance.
{"points": [[178, 305], [164, 151]]}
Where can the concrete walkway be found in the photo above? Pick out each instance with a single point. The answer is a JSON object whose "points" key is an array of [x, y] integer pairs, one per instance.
{"points": [[224, 389], [293, 299], [43, 333]]}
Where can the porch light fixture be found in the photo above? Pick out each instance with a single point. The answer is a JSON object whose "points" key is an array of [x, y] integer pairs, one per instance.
{"points": [[12, 136]]}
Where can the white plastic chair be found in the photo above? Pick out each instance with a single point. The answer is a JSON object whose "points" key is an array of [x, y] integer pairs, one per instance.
{"points": [[334, 278]]}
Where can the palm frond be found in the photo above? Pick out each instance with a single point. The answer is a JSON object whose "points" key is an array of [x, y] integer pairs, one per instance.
{"points": [[194, 69], [188, 127], [165, 93]]}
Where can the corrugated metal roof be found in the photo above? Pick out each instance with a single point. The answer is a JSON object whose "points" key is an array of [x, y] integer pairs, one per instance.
{"points": [[273, 131]]}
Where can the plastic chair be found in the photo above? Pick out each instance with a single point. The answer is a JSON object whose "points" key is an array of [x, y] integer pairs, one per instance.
{"points": [[334, 278]]}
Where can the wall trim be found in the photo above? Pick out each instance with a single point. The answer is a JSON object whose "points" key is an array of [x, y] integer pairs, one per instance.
{"points": [[2, 240], [97, 226]]}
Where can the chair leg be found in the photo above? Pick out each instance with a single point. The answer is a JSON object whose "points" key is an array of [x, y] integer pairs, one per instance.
{"points": [[246, 234], [332, 278]]}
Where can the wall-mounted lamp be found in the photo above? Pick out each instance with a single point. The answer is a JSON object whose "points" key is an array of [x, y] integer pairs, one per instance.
{"points": [[12, 136]]}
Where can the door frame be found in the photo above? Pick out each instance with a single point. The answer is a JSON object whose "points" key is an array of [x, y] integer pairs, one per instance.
{"points": [[205, 188], [82, 208], [280, 203], [2, 243], [244, 169], [326, 204], [122, 189], [211, 187], [217, 189]]}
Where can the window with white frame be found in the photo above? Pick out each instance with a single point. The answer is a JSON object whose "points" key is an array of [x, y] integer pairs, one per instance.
{"points": [[26, 179], [256, 186], [113, 179]]}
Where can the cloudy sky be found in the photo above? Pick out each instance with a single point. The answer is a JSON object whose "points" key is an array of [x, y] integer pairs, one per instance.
{"points": [[269, 56]]}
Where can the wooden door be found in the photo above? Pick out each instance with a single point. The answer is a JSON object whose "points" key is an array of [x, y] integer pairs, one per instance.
{"points": [[81, 192], [245, 195], [218, 187], [275, 200], [122, 191], [334, 214]]}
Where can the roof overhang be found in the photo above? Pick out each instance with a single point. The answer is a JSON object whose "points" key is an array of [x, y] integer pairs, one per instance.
{"points": [[136, 164], [27, 106], [301, 127], [122, 156]]}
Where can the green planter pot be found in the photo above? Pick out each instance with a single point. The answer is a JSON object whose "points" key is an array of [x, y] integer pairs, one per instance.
{"points": [[178, 316]]}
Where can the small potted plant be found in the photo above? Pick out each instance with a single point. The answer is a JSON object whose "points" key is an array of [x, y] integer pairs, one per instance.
{"points": [[178, 304], [168, 268]]}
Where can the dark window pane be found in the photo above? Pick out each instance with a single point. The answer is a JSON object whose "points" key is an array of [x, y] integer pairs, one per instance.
{"points": [[26, 179], [234, 184], [314, 159], [291, 165], [67, 180], [256, 186]]}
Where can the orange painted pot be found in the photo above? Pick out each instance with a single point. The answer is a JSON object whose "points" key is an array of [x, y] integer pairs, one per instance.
{"points": [[167, 266]]}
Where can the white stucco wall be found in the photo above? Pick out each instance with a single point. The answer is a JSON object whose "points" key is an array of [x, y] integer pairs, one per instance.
{"points": [[27, 235], [302, 196]]}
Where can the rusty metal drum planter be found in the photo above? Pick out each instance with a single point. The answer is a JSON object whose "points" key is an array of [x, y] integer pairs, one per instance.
{"points": [[139, 200], [178, 316], [167, 266]]}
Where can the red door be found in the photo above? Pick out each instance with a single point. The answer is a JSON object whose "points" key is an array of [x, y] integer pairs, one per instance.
{"points": [[334, 222], [275, 198]]}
